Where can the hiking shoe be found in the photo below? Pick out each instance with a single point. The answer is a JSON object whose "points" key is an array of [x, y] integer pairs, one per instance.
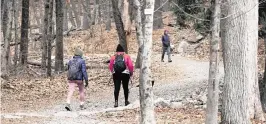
{"points": [[116, 104], [127, 103], [67, 107], [82, 107]]}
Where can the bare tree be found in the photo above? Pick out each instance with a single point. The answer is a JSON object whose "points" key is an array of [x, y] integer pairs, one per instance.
{"points": [[240, 41], [76, 13], [86, 15], [108, 14], [59, 53], [36, 16], [24, 32], [7, 38], [213, 83], [119, 25], [16, 14], [45, 34], [50, 38], [71, 16], [145, 87], [127, 20], [139, 32], [158, 20], [65, 4]]}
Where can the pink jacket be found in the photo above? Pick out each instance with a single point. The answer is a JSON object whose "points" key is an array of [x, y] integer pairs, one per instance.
{"points": [[127, 59]]}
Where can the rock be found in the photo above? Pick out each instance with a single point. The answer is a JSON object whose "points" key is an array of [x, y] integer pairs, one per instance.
{"points": [[160, 102], [182, 48], [176, 105], [203, 99]]}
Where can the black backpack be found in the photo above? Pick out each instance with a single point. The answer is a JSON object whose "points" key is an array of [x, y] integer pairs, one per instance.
{"points": [[119, 65], [74, 69]]}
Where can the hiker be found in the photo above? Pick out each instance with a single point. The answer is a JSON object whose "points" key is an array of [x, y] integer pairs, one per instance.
{"points": [[166, 46], [76, 74], [121, 67]]}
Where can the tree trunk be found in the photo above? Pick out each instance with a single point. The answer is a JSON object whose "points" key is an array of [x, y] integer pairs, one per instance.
{"points": [[240, 40], [24, 32], [213, 83], [36, 16], [50, 38], [86, 15], [59, 54], [108, 14], [16, 14], [45, 35], [99, 8], [127, 20], [145, 87], [7, 38], [158, 20], [119, 25], [71, 16], [95, 16], [77, 16], [4, 12], [65, 4], [139, 32], [263, 84]]}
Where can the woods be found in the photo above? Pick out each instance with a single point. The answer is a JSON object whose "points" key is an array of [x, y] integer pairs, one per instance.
{"points": [[215, 71]]}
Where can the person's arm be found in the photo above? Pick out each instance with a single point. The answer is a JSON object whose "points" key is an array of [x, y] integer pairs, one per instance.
{"points": [[84, 71], [111, 64], [130, 65]]}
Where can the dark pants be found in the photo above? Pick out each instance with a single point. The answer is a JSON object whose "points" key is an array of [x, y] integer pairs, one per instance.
{"points": [[118, 79], [168, 50]]}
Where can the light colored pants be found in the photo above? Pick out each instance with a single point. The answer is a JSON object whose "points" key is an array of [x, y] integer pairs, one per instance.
{"points": [[168, 50], [71, 88]]}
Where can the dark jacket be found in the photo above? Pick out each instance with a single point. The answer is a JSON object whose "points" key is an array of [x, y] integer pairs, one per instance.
{"points": [[82, 74], [166, 40]]}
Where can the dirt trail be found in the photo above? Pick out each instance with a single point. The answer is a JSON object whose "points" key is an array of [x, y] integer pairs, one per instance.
{"points": [[194, 77]]}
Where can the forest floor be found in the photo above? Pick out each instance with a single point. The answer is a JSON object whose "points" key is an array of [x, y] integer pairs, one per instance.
{"points": [[100, 103]]}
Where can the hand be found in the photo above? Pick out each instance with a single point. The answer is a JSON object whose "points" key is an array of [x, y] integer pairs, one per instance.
{"points": [[86, 83]]}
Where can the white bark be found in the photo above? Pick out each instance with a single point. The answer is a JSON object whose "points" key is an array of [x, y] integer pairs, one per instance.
{"points": [[146, 91], [240, 40], [213, 83]]}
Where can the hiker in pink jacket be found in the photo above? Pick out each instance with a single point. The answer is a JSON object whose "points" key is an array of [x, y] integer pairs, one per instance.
{"points": [[122, 68]]}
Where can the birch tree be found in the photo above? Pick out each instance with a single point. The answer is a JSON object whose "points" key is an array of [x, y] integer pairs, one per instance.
{"points": [[59, 52], [145, 88], [119, 25], [24, 32], [213, 83], [240, 43]]}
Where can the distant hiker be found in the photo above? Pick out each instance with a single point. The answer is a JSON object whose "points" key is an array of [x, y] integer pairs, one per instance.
{"points": [[121, 67], [166, 46], [76, 74]]}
